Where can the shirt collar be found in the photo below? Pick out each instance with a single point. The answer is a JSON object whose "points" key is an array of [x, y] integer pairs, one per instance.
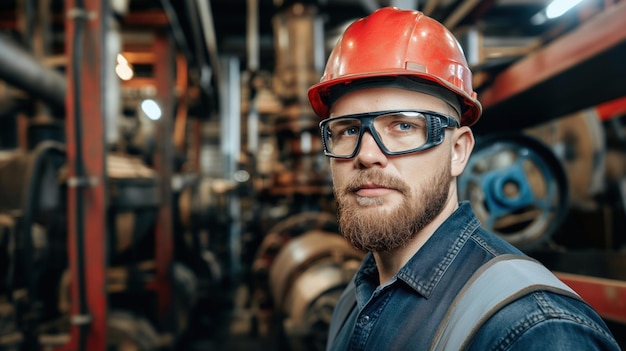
{"points": [[424, 270]]}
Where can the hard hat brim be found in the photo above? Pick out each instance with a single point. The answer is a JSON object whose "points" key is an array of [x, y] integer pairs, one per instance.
{"points": [[319, 94]]}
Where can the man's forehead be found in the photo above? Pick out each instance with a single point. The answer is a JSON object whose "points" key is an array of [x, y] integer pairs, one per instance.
{"points": [[385, 98]]}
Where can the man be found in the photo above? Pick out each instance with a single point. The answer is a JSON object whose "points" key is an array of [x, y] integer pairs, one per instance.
{"points": [[396, 103]]}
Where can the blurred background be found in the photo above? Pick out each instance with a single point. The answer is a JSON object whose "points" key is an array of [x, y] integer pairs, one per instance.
{"points": [[162, 185]]}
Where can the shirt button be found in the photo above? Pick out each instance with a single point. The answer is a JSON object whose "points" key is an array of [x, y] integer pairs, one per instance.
{"points": [[365, 319]]}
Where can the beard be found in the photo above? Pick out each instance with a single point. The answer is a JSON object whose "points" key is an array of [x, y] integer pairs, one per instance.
{"points": [[371, 228]]}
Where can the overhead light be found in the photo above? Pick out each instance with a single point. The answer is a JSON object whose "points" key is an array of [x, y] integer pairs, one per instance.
{"points": [[152, 109], [123, 68], [555, 9]]}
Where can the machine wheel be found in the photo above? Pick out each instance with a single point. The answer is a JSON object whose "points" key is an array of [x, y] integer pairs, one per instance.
{"points": [[517, 187], [302, 267], [128, 332], [579, 141], [287, 229]]}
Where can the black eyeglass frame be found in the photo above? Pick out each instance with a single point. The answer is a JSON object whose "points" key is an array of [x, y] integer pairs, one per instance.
{"points": [[436, 122]]}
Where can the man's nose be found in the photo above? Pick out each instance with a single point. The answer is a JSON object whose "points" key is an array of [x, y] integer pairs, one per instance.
{"points": [[369, 153]]}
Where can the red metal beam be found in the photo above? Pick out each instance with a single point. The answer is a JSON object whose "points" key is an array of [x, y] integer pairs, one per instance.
{"points": [[182, 83], [163, 157], [87, 177], [611, 109], [578, 70], [147, 18], [606, 296]]}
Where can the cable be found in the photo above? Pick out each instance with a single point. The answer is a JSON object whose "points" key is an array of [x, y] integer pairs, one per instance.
{"points": [[80, 173]]}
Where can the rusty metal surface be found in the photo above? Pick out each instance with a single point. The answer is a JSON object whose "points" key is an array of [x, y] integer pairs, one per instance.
{"points": [[599, 277], [86, 171], [164, 236], [607, 296]]}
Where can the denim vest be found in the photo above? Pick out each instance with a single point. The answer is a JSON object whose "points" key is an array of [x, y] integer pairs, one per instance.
{"points": [[404, 313]]}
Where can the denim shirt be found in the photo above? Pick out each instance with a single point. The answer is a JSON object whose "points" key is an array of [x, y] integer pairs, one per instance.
{"points": [[404, 313]]}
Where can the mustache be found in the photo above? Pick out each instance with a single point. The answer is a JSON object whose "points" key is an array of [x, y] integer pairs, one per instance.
{"points": [[377, 177]]}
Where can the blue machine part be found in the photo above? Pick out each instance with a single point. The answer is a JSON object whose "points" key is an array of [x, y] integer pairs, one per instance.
{"points": [[518, 188]]}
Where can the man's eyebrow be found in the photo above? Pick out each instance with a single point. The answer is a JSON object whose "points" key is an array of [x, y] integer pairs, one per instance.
{"points": [[347, 121]]}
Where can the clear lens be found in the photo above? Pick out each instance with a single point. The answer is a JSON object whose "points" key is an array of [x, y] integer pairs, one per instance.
{"points": [[401, 132], [398, 132], [342, 135]]}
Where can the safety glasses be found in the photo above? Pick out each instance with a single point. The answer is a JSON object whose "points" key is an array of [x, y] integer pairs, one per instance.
{"points": [[396, 132]]}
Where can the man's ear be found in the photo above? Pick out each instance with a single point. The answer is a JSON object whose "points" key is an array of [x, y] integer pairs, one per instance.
{"points": [[462, 146]]}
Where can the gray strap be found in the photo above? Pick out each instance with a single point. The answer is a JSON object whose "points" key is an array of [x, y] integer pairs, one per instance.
{"points": [[497, 283]]}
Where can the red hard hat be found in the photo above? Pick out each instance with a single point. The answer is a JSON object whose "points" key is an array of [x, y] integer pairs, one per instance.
{"points": [[398, 43]]}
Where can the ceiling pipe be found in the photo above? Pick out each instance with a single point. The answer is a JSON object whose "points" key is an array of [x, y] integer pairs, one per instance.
{"points": [[253, 35], [460, 12], [203, 66], [370, 5], [22, 70], [430, 7], [208, 27], [177, 31], [405, 4]]}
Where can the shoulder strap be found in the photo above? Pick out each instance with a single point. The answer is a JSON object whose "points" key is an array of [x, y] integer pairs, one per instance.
{"points": [[498, 282]]}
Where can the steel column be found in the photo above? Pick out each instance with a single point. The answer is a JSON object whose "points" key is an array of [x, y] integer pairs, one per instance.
{"points": [[230, 143], [86, 26], [163, 163]]}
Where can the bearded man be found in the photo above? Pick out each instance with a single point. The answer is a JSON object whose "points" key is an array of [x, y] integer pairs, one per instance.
{"points": [[397, 104]]}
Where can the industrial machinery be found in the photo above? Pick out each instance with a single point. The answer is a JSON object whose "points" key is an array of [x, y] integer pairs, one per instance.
{"points": [[122, 230], [517, 187], [302, 264], [37, 284], [544, 174], [89, 259], [301, 268]]}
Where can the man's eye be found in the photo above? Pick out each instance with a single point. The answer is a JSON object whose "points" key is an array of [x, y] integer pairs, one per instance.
{"points": [[351, 131], [405, 126], [344, 132], [339, 133]]}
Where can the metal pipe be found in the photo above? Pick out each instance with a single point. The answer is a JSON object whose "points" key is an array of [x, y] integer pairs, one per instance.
{"points": [[459, 13], [177, 31], [430, 7], [208, 28], [253, 35], [22, 70], [194, 25], [369, 5]]}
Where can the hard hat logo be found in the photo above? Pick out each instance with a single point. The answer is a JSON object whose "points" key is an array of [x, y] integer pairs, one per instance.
{"points": [[397, 43]]}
